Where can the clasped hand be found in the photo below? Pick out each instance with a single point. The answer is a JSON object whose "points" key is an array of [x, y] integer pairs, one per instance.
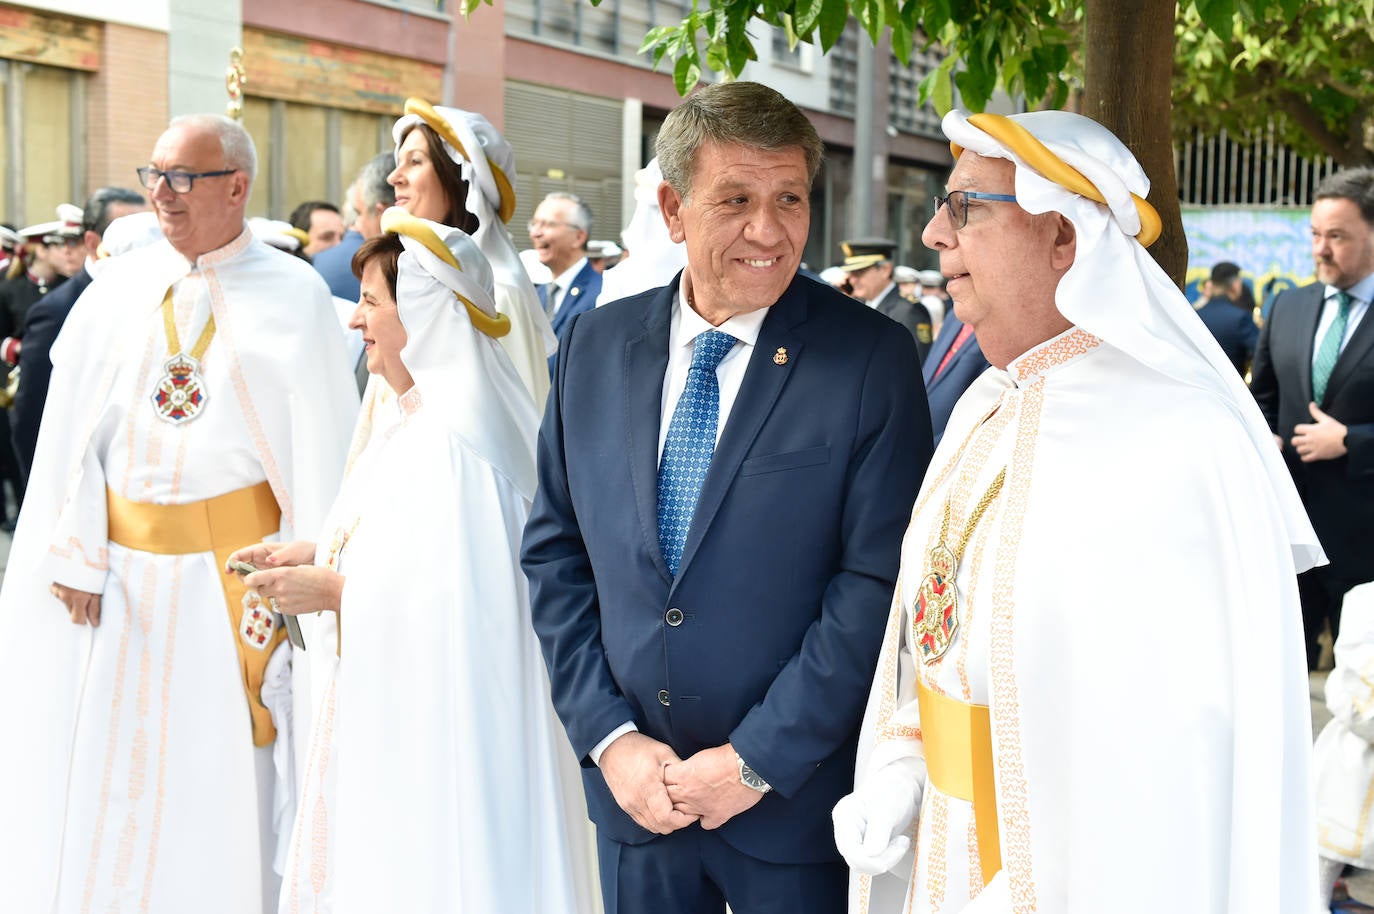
{"points": [[663, 793], [288, 579]]}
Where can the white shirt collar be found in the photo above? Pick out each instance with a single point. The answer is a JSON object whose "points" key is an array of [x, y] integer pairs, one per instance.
{"points": [[689, 324], [876, 300], [565, 279], [1362, 290]]}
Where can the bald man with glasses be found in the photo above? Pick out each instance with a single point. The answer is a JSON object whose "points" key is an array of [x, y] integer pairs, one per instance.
{"points": [[200, 398]]}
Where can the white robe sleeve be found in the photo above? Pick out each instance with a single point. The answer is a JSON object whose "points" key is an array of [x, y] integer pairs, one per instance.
{"points": [[77, 555]]}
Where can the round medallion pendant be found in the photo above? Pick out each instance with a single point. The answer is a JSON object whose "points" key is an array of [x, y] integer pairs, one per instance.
{"points": [[180, 396], [935, 612]]}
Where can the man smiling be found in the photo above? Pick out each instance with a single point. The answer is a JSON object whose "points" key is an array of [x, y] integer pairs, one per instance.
{"points": [[197, 402], [725, 467]]}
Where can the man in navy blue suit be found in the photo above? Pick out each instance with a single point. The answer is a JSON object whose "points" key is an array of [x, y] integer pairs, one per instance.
{"points": [[49, 313], [560, 228], [1228, 314], [726, 467], [953, 363]]}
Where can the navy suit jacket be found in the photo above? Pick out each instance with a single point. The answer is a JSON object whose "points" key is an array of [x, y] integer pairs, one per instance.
{"points": [[43, 323], [1339, 493], [1234, 329], [788, 569], [336, 266], [966, 365], [581, 296]]}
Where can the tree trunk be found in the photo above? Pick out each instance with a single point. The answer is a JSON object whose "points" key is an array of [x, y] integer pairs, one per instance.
{"points": [[1128, 56]]}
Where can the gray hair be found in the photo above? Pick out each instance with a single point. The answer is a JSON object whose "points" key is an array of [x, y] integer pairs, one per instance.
{"points": [[372, 184], [581, 212], [239, 152], [1353, 184], [736, 113], [96, 214]]}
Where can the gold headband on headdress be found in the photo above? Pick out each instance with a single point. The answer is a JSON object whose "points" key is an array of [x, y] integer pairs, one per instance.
{"points": [[436, 121], [300, 235], [399, 222], [1038, 156]]}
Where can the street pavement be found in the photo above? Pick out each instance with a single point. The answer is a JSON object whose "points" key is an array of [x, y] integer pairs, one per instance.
{"points": [[1361, 882]]}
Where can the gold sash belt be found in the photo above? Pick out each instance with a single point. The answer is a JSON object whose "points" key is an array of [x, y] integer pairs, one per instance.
{"points": [[958, 750], [219, 525]]}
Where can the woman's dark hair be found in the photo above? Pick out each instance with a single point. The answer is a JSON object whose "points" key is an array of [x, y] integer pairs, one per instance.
{"points": [[451, 180], [386, 250]]}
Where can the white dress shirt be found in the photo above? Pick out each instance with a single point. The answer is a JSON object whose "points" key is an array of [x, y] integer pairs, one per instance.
{"points": [[564, 282], [1360, 295], [685, 326], [878, 299]]}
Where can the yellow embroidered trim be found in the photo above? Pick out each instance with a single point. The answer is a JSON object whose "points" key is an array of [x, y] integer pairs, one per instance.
{"points": [[399, 222], [169, 325], [1038, 156], [425, 111]]}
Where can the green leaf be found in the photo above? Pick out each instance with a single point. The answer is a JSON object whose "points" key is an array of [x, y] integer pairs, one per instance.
{"points": [[1217, 15], [902, 40], [975, 87], [936, 17], [654, 36], [808, 13], [834, 15], [686, 72]]}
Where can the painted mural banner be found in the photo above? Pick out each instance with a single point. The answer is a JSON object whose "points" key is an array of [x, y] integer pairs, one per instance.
{"points": [[1272, 247]]}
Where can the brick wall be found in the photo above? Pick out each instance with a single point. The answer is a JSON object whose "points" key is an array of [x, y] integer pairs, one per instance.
{"points": [[126, 104]]}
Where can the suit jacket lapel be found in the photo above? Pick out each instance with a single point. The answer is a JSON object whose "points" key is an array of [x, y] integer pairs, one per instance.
{"points": [[646, 360], [943, 341], [1355, 354], [1307, 338], [763, 382]]}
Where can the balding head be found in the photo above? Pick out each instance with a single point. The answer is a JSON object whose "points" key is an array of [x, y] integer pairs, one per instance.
{"points": [[210, 214]]}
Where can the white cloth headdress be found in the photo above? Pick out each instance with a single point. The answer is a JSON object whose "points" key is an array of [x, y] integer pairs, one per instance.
{"points": [[444, 292], [654, 257], [1069, 164], [487, 163]]}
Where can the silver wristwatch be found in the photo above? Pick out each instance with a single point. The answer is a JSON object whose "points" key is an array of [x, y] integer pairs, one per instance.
{"points": [[750, 778]]}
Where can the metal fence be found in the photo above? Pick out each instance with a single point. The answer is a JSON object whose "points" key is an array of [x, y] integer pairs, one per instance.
{"points": [[1255, 170]]}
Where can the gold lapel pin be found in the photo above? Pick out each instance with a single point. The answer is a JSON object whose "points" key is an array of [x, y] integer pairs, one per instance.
{"points": [[780, 357]]}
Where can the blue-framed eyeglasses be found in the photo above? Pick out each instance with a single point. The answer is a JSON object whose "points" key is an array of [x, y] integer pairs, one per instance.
{"points": [[957, 200], [180, 182]]}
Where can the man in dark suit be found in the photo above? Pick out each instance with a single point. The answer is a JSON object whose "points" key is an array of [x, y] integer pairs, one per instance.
{"points": [[952, 365], [1230, 321], [559, 230], [49, 313], [1314, 380], [726, 467], [368, 196], [868, 261]]}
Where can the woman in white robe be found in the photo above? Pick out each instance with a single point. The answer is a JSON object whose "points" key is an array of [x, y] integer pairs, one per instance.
{"points": [[455, 168], [431, 782]]}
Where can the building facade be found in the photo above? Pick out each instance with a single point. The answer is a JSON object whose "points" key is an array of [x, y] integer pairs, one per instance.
{"points": [[88, 85]]}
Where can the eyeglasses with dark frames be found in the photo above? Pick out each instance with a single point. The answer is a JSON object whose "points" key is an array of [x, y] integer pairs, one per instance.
{"points": [[180, 182], [548, 224], [957, 200]]}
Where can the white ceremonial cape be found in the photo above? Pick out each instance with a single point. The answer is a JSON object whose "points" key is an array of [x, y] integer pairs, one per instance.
{"points": [[174, 830], [433, 779], [1128, 610], [1343, 757]]}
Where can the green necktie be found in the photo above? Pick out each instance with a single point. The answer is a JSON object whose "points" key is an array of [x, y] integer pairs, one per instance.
{"points": [[1330, 349]]}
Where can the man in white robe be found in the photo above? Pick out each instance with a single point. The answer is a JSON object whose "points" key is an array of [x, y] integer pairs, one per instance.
{"points": [[200, 393], [1091, 695]]}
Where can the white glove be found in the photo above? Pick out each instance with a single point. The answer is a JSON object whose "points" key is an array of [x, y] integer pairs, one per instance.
{"points": [[871, 823]]}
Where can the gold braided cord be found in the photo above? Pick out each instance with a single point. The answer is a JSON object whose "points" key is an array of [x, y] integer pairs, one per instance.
{"points": [[1039, 156], [399, 222], [990, 495], [436, 121], [169, 325]]}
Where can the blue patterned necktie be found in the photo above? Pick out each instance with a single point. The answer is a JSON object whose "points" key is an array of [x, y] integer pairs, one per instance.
{"points": [[690, 443], [1330, 349]]}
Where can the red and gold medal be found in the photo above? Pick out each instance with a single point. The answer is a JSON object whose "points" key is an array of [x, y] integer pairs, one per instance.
{"points": [[180, 394]]}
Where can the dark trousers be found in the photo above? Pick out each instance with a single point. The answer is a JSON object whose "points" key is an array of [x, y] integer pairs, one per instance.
{"points": [[1321, 593], [693, 871]]}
